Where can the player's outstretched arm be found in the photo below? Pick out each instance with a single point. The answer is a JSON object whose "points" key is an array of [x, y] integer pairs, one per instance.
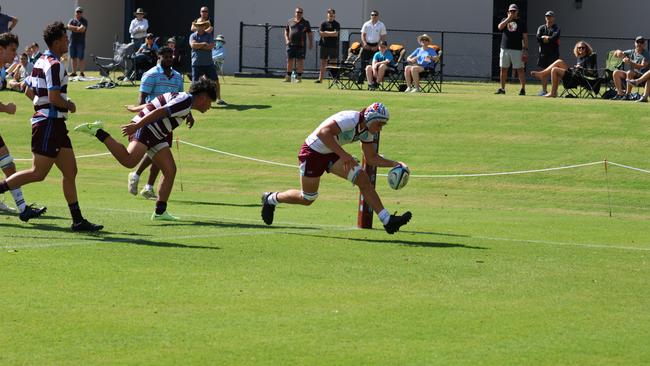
{"points": [[156, 115], [374, 159]]}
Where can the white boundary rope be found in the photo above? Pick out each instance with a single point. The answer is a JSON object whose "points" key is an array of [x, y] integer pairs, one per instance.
{"points": [[574, 166], [436, 175]]}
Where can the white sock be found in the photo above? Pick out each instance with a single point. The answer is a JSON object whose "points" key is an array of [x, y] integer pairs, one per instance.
{"points": [[272, 199], [148, 187], [17, 194], [136, 176], [384, 216]]}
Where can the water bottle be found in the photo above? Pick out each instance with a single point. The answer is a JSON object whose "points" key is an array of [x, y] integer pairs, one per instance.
{"points": [[294, 78]]}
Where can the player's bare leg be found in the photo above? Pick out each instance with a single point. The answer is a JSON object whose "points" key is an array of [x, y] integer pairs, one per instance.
{"points": [[165, 161]]}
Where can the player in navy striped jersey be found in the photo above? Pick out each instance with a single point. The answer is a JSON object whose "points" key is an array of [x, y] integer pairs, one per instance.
{"points": [[51, 145], [148, 134], [322, 152]]}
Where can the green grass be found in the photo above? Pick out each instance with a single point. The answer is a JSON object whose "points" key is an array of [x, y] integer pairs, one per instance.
{"points": [[508, 270]]}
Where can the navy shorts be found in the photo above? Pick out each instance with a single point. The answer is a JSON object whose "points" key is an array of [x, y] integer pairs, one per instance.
{"points": [[314, 164], [49, 136], [77, 50], [296, 52], [329, 53], [210, 72]]}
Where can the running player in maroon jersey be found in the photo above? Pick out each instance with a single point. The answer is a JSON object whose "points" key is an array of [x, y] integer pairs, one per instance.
{"points": [[148, 134]]}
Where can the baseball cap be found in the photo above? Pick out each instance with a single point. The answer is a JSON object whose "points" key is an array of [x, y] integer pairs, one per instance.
{"points": [[513, 7], [639, 38], [550, 13], [79, 9]]}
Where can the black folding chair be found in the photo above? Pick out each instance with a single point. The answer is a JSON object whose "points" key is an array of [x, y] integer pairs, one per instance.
{"points": [[394, 75], [431, 77], [348, 73]]}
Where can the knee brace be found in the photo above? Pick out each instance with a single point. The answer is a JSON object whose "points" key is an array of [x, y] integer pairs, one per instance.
{"points": [[6, 161], [354, 173], [309, 196]]}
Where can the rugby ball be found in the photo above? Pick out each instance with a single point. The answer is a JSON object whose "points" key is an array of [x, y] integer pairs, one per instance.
{"points": [[398, 177]]}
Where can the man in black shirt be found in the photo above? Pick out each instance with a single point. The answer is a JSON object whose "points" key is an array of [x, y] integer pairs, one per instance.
{"points": [[514, 48], [329, 42], [296, 31], [548, 37]]}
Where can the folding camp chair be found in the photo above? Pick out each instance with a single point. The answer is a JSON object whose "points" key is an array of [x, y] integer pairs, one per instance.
{"points": [[120, 62], [583, 82], [394, 75], [348, 73], [431, 77]]}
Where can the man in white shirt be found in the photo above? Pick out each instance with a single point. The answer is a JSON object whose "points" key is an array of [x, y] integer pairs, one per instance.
{"points": [[372, 32], [139, 28]]}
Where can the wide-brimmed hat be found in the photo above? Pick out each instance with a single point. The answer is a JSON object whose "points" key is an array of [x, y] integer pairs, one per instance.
{"points": [[171, 40], [639, 38], [220, 37], [513, 7], [424, 36], [79, 9], [200, 22], [139, 11], [549, 13]]}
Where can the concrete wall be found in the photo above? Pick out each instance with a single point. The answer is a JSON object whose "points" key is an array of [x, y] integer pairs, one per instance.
{"points": [[34, 15], [104, 21]]}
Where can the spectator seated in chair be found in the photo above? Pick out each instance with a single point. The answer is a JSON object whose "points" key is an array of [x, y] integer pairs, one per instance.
{"points": [[636, 61], [219, 52], [21, 70], [380, 63], [423, 58], [640, 81], [560, 70], [145, 57]]}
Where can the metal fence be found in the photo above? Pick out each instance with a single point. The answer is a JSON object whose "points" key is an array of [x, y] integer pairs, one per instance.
{"points": [[466, 55]]}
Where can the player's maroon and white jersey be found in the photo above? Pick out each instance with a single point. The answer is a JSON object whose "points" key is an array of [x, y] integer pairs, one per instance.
{"points": [[348, 122], [179, 106], [48, 74]]}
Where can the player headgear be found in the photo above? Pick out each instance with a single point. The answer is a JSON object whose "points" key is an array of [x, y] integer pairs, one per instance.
{"points": [[376, 112]]}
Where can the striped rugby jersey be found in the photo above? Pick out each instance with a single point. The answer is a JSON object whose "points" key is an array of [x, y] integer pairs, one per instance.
{"points": [[48, 74], [179, 106]]}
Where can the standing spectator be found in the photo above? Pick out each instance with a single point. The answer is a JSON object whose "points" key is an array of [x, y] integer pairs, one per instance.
{"points": [[159, 80], [204, 17], [138, 27], [202, 44], [77, 26], [636, 59], [329, 42], [372, 32], [297, 29], [514, 48], [5, 21], [548, 37], [34, 53], [219, 52], [171, 43], [51, 144]]}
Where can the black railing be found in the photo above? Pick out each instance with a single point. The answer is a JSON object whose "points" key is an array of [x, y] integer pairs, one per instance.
{"points": [[467, 55]]}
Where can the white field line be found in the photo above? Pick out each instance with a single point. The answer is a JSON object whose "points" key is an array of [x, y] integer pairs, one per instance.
{"points": [[297, 230]]}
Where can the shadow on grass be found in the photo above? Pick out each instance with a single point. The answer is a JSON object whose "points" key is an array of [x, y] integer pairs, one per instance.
{"points": [[102, 236], [243, 107], [398, 241], [235, 225], [219, 203]]}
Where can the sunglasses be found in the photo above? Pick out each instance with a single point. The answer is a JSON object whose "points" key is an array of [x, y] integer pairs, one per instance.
{"points": [[581, 48], [374, 15], [641, 41], [299, 12]]}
